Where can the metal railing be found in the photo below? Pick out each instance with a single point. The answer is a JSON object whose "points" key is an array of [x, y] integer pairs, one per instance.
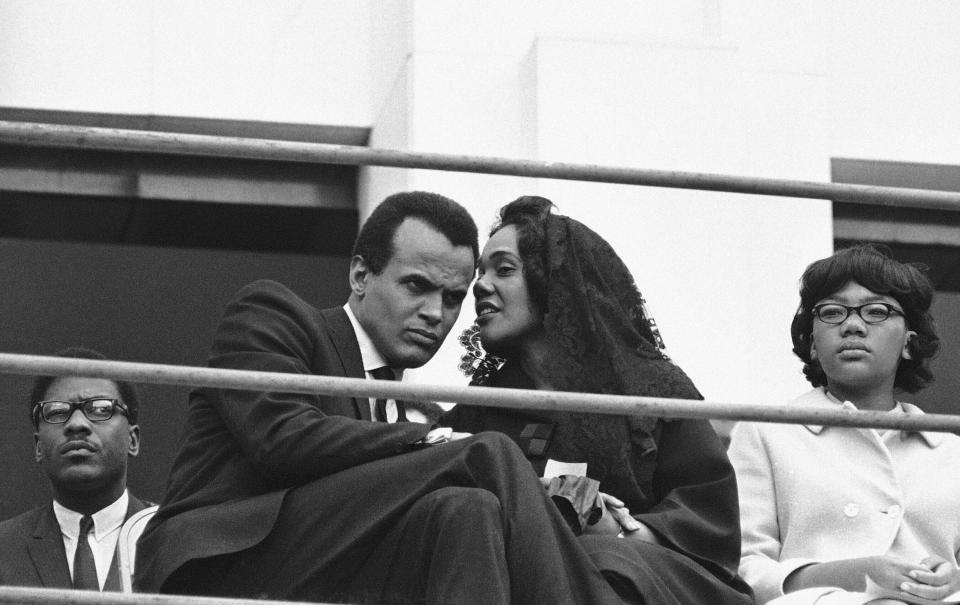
{"points": [[47, 135], [485, 396], [65, 596], [113, 139], [84, 137]]}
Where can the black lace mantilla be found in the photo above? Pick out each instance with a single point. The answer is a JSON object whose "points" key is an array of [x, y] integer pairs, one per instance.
{"points": [[603, 338]]}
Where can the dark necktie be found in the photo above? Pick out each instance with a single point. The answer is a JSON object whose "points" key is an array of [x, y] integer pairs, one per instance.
{"points": [[84, 566], [380, 408]]}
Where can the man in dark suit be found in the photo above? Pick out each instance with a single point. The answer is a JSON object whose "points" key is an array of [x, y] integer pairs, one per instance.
{"points": [[335, 498], [86, 431]]}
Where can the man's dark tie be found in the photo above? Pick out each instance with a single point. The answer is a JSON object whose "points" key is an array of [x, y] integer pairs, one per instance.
{"points": [[84, 566], [380, 408]]}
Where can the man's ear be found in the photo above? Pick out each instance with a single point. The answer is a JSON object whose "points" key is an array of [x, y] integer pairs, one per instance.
{"points": [[37, 452], [905, 353], [813, 350], [359, 272], [134, 448]]}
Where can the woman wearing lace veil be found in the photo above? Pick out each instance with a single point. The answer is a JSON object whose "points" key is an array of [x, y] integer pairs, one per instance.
{"points": [[558, 310]]}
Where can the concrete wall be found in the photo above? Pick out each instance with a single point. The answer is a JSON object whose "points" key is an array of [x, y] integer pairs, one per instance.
{"points": [[684, 88], [284, 60], [893, 87], [732, 86]]}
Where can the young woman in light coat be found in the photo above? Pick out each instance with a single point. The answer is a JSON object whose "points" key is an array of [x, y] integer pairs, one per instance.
{"points": [[825, 508]]}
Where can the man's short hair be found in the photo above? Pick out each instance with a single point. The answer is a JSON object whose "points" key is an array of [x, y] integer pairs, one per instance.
{"points": [[127, 390], [375, 241]]}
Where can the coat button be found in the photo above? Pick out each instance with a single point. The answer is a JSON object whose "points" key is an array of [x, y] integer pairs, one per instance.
{"points": [[852, 509]]}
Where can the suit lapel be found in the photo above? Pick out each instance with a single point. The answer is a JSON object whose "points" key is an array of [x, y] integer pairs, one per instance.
{"points": [[134, 505], [344, 341], [47, 552]]}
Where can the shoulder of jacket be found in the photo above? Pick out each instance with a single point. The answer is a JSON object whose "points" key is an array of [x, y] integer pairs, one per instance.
{"points": [[24, 519], [265, 285]]}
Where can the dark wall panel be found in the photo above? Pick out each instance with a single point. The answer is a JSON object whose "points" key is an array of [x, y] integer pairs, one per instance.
{"points": [[133, 303], [941, 396]]}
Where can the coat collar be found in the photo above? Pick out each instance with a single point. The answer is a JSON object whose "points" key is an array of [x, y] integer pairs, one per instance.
{"points": [[819, 397], [344, 341], [46, 551]]}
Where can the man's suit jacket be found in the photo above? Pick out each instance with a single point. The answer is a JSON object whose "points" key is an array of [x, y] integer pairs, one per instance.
{"points": [[32, 553], [244, 449]]}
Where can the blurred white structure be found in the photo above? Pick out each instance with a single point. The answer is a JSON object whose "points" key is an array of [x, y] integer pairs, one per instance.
{"points": [[739, 87]]}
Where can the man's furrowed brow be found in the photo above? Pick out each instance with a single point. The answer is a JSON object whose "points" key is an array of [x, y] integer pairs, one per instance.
{"points": [[422, 280]]}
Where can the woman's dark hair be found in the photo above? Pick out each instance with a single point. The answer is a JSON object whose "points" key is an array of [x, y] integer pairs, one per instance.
{"points": [[529, 215], [873, 267], [375, 240], [41, 384]]}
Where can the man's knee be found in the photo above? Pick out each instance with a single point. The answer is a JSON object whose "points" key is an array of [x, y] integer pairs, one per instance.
{"points": [[460, 504], [492, 449]]}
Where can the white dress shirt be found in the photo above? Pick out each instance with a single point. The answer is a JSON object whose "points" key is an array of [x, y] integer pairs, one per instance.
{"points": [[102, 539], [372, 359]]}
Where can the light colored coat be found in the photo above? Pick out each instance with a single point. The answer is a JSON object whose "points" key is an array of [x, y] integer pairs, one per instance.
{"points": [[811, 494]]}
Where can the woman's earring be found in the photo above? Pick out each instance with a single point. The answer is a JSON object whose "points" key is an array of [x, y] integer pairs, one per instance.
{"points": [[476, 363], [473, 350]]}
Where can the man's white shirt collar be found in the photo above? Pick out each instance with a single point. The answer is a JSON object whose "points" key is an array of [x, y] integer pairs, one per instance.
{"points": [[106, 531], [372, 359], [105, 520], [370, 356]]}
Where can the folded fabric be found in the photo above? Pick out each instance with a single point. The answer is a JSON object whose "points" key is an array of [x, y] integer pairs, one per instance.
{"points": [[578, 500]]}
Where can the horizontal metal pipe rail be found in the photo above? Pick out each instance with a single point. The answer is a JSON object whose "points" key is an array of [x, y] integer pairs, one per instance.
{"points": [[113, 139], [48, 596], [485, 396]]}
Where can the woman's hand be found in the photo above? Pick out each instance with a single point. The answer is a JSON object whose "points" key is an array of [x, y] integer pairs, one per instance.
{"points": [[886, 571], [620, 513], [615, 519], [935, 578], [618, 521]]}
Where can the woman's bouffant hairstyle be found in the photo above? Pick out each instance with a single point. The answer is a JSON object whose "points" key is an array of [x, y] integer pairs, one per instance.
{"points": [[874, 268], [529, 215]]}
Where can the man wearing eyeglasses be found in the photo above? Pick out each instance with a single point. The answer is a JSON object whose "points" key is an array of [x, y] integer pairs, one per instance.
{"points": [[86, 432]]}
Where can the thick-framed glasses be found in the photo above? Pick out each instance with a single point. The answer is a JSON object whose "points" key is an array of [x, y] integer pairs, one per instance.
{"points": [[871, 313], [96, 409]]}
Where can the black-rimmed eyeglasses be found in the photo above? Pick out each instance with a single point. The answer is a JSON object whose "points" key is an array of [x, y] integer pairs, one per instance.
{"points": [[871, 313], [96, 409]]}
